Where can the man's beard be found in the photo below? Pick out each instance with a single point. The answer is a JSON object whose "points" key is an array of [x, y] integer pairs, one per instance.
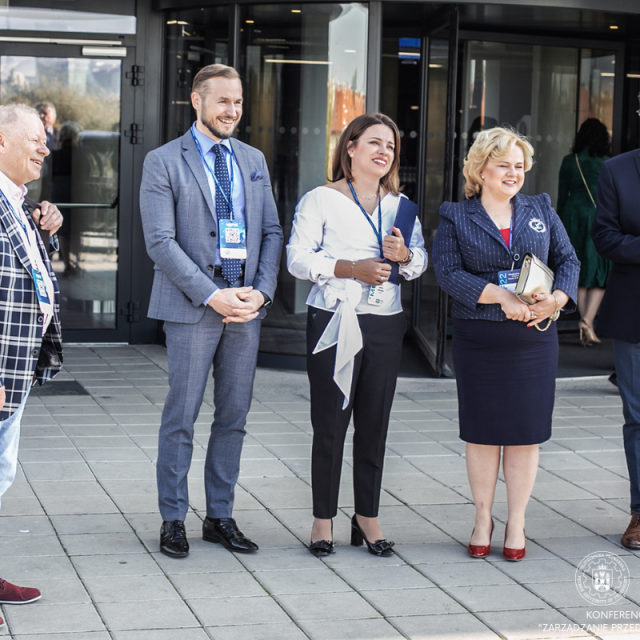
{"points": [[221, 135]]}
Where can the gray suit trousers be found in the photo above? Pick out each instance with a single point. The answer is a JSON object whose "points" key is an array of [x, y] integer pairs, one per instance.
{"points": [[192, 349]]}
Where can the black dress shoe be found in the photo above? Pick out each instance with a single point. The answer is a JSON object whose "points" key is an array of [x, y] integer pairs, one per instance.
{"points": [[226, 532], [382, 548], [173, 539]]}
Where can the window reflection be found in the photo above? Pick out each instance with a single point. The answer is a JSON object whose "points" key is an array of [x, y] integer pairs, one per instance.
{"points": [[79, 101], [304, 71], [522, 85], [193, 39], [597, 75]]}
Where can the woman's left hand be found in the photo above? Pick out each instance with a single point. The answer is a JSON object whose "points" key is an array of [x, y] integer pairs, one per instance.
{"points": [[393, 247], [543, 308]]}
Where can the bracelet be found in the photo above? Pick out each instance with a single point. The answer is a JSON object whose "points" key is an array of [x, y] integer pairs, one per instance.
{"points": [[556, 314], [353, 264], [408, 260]]}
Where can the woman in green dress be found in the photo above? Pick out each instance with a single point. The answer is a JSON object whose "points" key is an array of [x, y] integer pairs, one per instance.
{"points": [[577, 207]]}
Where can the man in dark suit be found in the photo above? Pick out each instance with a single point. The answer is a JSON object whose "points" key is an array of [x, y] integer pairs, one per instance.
{"points": [[48, 116], [211, 228], [616, 235], [30, 338]]}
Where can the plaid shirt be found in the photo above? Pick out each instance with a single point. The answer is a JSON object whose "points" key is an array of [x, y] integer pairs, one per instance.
{"points": [[24, 351]]}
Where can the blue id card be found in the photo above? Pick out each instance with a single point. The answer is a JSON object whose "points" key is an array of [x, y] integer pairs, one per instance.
{"points": [[233, 239], [509, 279], [41, 289]]}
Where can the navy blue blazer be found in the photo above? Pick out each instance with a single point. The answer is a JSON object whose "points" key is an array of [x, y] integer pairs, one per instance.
{"points": [[616, 235], [469, 251]]}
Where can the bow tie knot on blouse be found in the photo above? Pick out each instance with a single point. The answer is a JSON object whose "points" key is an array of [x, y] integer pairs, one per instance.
{"points": [[342, 330]]}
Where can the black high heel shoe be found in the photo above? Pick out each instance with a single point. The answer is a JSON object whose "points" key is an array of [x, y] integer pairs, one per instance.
{"points": [[380, 548], [322, 548]]}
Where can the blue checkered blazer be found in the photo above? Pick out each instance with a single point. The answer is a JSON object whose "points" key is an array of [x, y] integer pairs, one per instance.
{"points": [[23, 349], [469, 251]]}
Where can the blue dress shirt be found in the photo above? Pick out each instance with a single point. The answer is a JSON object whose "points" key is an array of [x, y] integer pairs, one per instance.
{"points": [[469, 251], [237, 193]]}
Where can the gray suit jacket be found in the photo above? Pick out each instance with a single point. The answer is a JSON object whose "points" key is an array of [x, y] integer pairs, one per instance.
{"points": [[180, 228]]}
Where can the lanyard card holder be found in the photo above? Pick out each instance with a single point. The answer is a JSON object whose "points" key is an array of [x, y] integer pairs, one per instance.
{"points": [[233, 239]]}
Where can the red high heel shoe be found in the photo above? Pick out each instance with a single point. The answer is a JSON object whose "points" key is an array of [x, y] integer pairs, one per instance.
{"points": [[480, 550], [514, 555]]}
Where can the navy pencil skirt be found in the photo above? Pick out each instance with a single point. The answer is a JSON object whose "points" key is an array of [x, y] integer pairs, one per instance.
{"points": [[506, 379]]}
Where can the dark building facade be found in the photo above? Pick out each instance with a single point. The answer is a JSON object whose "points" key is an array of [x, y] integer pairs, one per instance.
{"points": [[119, 75]]}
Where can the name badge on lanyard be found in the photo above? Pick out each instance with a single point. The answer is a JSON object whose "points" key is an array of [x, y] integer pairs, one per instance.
{"points": [[509, 279], [232, 233], [377, 293], [41, 291], [233, 239]]}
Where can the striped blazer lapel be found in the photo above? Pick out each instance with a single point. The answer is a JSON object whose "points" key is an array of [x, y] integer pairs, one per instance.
{"points": [[521, 217], [9, 222], [481, 218]]}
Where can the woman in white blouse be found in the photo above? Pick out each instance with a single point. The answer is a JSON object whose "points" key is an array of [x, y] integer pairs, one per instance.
{"points": [[346, 240]]}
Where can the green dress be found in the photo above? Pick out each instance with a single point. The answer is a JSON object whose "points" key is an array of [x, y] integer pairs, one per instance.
{"points": [[577, 214]]}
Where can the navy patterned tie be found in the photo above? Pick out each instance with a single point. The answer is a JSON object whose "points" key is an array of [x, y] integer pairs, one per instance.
{"points": [[231, 267]]}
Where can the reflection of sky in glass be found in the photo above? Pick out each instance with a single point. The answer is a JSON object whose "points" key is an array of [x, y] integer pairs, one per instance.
{"points": [[347, 71], [348, 47]]}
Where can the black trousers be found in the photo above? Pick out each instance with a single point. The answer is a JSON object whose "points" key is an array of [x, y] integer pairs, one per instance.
{"points": [[375, 374]]}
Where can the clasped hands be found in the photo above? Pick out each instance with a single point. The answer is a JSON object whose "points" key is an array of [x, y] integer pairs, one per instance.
{"points": [[237, 304], [48, 216], [375, 271], [532, 314]]}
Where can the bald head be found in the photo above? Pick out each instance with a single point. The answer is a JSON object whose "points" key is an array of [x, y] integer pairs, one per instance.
{"points": [[23, 143]]}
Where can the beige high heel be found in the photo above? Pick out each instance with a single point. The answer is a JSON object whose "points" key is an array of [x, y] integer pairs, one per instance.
{"points": [[587, 335]]}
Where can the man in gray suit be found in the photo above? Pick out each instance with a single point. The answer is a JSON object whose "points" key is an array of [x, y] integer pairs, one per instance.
{"points": [[211, 227]]}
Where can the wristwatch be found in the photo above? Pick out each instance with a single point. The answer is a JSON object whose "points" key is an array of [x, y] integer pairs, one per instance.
{"points": [[408, 260], [267, 300]]}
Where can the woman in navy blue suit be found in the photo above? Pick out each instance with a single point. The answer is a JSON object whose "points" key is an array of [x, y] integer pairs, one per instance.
{"points": [[505, 367]]}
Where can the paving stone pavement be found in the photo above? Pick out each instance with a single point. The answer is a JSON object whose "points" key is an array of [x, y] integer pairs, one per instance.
{"points": [[81, 522]]}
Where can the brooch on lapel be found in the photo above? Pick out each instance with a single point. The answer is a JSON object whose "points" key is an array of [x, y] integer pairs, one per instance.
{"points": [[537, 225], [256, 175]]}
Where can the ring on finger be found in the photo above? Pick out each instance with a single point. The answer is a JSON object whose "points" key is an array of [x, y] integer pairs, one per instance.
{"points": [[532, 315]]}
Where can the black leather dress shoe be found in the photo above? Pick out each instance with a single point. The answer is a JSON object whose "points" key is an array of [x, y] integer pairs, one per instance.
{"points": [[173, 539], [226, 532]]}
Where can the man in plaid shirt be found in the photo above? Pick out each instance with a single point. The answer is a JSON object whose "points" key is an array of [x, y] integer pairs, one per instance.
{"points": [[30, 339]]}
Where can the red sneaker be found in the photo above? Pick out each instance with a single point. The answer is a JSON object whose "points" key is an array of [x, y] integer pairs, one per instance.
{"points": [[12, 594]]}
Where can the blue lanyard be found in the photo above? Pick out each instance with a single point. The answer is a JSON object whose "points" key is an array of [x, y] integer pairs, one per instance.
{"points": [[215, 179], [377, 231]]}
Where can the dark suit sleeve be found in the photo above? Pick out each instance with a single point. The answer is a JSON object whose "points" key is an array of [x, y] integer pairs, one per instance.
{"points": [[465, 287], [562, 257], [609, 238], [272, 240], [158, 212]]}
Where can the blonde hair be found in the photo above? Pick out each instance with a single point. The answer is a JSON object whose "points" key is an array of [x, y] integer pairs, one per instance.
{"points": [[492, 144]]}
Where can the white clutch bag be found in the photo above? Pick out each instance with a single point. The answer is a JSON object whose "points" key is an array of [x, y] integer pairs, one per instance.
{"points": [[535, 277]]}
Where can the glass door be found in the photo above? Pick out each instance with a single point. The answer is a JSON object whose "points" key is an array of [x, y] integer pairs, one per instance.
{"points": [[435, 174], [80, 99]]}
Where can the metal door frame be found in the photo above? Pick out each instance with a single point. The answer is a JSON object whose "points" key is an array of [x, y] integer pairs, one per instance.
{"points": [[12, 46], [447, 19]]}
